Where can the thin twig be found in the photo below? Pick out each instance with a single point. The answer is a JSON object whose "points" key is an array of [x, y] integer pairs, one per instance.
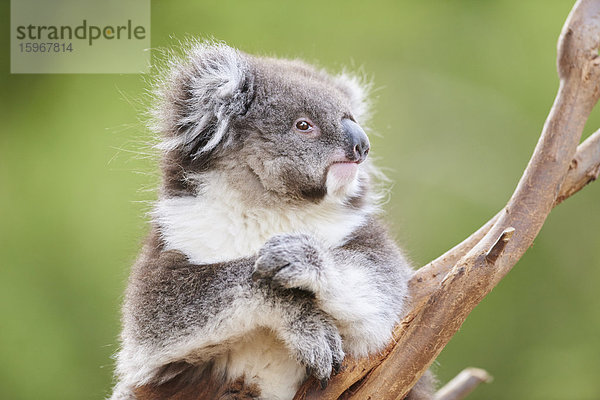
{"points": [[463, 384], [498, 247]]}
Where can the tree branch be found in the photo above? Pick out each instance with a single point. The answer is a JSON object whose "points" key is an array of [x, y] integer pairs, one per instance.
{"points": [[463, 384], [424, 332], [584, 168]]}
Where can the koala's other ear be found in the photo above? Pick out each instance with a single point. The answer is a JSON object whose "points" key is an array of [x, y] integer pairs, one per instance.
{"points": [[357, 89], [200, 96]]}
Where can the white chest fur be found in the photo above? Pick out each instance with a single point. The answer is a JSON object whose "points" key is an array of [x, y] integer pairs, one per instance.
{"points": [[263, 360], [217, 225]]}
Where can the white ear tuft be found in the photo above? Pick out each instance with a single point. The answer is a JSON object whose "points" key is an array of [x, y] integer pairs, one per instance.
{"points": [[201, 95]]}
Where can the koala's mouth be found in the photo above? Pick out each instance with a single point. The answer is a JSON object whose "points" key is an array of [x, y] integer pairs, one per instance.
{"points": [[344, 172], [346, 162], [343, 159]]}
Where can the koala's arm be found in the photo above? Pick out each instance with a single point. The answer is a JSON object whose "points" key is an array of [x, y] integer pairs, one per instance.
{"points": [[363, 284], [176, 311]]}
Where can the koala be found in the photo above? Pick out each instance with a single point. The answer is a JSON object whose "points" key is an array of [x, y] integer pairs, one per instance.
{"points": [[266, 261]]}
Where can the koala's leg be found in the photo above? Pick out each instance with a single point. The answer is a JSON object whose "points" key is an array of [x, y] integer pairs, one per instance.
{"points": [[175, 311], [362, 284]]}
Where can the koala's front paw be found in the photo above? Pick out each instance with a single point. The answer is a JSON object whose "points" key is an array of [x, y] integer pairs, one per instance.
{"points": [[289, 261], [316, 342]]}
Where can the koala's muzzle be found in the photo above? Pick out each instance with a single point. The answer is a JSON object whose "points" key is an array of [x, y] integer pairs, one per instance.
{"points": [[358, 142]]}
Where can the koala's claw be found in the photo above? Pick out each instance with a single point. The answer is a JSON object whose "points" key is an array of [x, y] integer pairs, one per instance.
{"points": [[324, 383], [289, 261], [262, 269], [318, 345], [337, 367]]}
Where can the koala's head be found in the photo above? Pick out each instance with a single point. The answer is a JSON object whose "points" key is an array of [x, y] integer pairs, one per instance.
{"points": [[281, 127]]}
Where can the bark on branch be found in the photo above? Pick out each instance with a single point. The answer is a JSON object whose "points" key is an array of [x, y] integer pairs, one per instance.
{"points": [[446, 290]]}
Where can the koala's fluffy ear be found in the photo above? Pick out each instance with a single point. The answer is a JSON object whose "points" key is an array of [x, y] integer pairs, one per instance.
{"points": [[358, 90], [200, 96]]}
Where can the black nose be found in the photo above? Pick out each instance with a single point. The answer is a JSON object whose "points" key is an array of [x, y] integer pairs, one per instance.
{"points": [[358, 142]]}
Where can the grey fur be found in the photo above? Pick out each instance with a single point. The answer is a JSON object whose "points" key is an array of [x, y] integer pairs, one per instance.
{"points": [[227, 124]]}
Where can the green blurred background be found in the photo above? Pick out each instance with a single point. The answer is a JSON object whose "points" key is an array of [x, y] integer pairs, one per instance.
{"points": [[462, 91]]}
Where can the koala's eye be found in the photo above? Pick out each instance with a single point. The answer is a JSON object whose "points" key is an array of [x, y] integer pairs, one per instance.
{"points": [[306, 128], [302, 125]]}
